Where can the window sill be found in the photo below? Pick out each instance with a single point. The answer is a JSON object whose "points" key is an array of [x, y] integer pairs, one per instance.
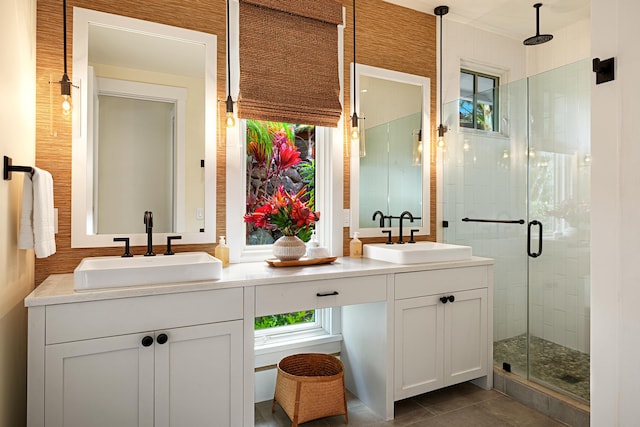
{"points": [[271, 353], [483, 133]]}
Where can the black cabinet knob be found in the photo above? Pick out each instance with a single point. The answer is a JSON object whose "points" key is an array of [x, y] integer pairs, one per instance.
{"points": [[452, 298], [444, 300], [147, 341], [162, 338]]}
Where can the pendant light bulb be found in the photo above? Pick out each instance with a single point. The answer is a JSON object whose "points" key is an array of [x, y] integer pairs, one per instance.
{"points": [[355, 131], [230, 119], [441, 131], [65, 91]]}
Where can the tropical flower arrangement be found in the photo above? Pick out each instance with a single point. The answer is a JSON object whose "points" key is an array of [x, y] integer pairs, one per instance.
{"points": [[286, 213]]}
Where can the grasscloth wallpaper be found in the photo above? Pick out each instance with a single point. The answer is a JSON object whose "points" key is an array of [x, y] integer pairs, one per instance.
{"points": [[388, 36]]}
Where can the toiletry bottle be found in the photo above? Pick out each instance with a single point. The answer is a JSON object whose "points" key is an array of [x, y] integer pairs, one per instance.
{"points": [[355, 246], [222, 252], [313, 245]]}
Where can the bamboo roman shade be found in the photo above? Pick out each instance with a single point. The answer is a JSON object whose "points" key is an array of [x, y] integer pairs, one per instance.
{"points": [[289, 61]]}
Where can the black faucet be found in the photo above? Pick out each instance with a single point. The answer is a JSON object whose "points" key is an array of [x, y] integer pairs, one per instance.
{"points": [[375, 214], [402, 215], [148, 222]]}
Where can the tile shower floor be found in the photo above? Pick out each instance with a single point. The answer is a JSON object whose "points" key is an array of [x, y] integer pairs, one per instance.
{"points": [[461, 405], [553, 364]]}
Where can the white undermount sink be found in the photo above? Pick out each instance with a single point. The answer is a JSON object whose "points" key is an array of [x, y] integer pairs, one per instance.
{"points": [[115, 272], [417, 253]]}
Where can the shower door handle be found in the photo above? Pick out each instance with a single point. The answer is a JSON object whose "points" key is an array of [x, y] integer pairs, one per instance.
{"points": [[531, 224]]}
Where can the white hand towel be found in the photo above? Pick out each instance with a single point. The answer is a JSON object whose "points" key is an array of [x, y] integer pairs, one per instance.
{"points": [[39, 220], [25, 238]]}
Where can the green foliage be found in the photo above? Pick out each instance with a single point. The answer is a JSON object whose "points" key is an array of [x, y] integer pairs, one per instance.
{"points": [[284, 319]]}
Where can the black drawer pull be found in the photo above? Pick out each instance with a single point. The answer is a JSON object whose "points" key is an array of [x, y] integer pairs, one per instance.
{"points": [[327, 294], [147, 341]]}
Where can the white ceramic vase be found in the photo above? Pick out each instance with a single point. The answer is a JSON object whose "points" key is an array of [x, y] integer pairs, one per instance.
{"points": [[289, 248]]}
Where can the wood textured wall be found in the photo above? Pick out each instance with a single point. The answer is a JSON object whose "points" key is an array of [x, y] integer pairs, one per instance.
{"points": [[399, 39], [388, 36]]}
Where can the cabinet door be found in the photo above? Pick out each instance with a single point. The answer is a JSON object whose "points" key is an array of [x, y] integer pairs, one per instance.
{"points": [[418, 346], [199, 376], [102, 382], [465, 336]]}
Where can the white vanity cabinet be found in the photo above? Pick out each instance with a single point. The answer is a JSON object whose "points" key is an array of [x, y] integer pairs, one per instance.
{"points": [[181, 355], [151, 361], [442, 329]]}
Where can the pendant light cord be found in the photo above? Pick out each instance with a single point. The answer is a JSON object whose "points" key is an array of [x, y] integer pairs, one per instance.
{"points": [[64, 32], [354, 58], [228, 53], [441, 102], [441, 11]]}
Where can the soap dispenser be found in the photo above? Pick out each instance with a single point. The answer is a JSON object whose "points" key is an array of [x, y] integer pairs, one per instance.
{"points": [[222, 252], [314, 250], [355, 246]]}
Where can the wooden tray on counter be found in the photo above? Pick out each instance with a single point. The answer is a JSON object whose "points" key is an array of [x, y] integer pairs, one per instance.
{"points": [[275, 262]]}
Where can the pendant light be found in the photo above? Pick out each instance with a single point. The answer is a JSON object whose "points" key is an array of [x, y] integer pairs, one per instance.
{"points": [[65, 83], [442, 129], [230, 119], [355, 132]]}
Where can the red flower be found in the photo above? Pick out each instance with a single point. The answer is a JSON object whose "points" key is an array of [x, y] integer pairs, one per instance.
{"points": [[284, 212], [285, 156]]}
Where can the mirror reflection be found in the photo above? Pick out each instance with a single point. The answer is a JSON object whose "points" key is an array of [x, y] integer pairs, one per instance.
{"points": [[390, 168], [145, 130]]}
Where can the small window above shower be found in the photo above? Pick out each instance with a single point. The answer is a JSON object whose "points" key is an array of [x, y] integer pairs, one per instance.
{"points": [[478, 105]]}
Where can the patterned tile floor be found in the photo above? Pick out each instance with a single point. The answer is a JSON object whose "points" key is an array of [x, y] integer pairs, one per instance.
{"points": [[553, 364], [463, 405]]}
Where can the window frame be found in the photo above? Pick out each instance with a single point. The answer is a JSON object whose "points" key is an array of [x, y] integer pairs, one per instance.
{"points": [[496, 99], [329, 165], [329, 195], [239, 251]]}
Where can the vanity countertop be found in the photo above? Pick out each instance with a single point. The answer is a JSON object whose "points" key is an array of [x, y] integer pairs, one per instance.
{"points": [[58, 288]]}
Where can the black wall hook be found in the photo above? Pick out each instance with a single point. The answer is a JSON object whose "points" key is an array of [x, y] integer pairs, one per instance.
{"points": [[605, 70]]}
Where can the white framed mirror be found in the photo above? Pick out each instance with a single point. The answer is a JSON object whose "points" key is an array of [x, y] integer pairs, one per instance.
{"points": [[390, 163], [144, 131]]}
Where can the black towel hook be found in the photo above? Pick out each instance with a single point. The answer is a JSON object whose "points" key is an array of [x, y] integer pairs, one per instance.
{"points": [[8, 168]]}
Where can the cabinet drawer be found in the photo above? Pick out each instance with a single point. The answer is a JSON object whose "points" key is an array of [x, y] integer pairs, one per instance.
{"points": [[94, 319], [422, 283], [288, 297]]}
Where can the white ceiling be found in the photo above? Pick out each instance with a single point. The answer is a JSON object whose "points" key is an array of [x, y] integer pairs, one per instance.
{"points": [[512, 18]]}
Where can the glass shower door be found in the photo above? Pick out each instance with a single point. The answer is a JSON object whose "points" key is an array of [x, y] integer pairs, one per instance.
{"points": [[521, 197], [559, 176]]}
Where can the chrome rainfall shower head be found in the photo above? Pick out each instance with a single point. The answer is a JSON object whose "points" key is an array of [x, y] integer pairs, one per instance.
{"points": [[538, 38]]}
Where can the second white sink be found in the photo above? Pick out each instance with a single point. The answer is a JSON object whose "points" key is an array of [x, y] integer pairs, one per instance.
{"points": [[115, 272], [416, 253]]}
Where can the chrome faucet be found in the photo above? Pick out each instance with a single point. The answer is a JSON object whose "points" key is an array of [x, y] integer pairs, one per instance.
{"points": [[402, 215], [375, 214], [148, 222]]}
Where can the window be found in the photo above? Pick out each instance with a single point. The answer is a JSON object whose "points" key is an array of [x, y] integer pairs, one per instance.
{"points": [[326, 154], [478, 101], [279, 156]]}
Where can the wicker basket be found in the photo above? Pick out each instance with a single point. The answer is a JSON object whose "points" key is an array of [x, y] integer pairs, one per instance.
{"points": [[310, 386]]}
